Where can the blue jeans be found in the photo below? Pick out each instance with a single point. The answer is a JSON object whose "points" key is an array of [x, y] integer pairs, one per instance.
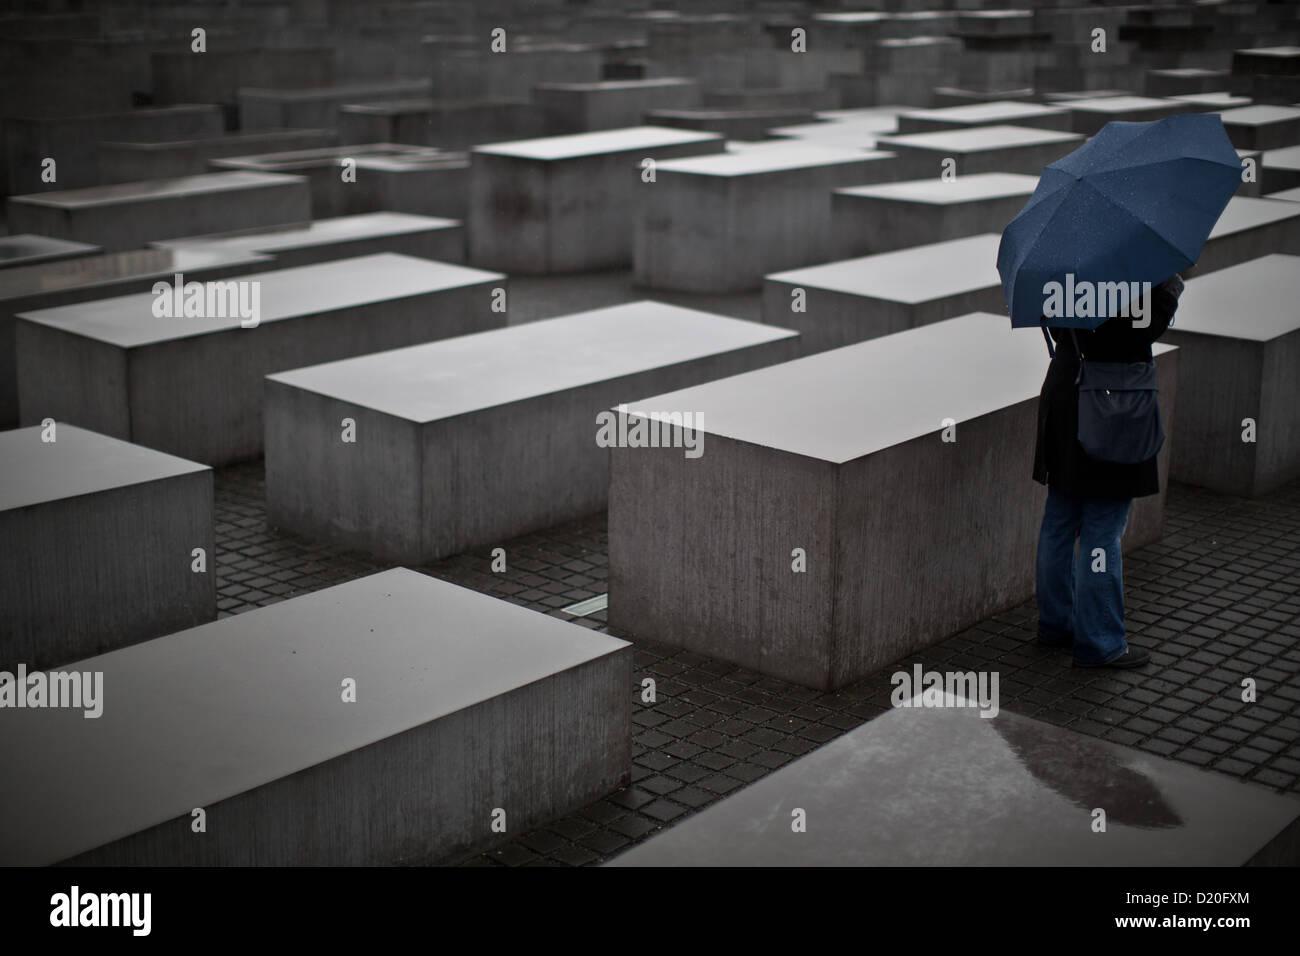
{"points": [[1077, 598]]}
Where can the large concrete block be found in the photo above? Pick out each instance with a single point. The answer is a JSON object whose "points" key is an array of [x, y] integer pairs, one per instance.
{"points": [[905, 538], [880, 218], [1090, 115], [985, 149], [99, 540], [466, 74], [560, 204], [856, 299], [345, 237], [1238, 334], [1279, 169], [192, 385], [732, 124], [1184, 81], [474, 440], [464, 704], [130, 162], [43, 286], [1263, 127], [612, 104], [719, 223], [72, 142], [26, 249], [217, 75], [1249, 228], [385, 177], [448, 124], [942, 786], [128, 215], [317, 107], [996, 113]]}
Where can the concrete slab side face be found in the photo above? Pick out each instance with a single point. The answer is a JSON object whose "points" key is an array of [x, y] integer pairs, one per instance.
{"points": [[943, 786], [703, 553]]}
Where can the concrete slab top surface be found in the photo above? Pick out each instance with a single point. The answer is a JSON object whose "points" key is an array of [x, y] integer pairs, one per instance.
{"points": [[1116, 104], [128, 321], [1288, 157], [936, 192], [925, 786], [29, 247], [611, 85], [1290, 195], [886, 114], [310, 93], [769, 158], [1073, 96], [980, 138], [1253, 300], [469, 373], [1248, 212], [1008, 110], [850, 402], [911, 275], [1281, 52], [319, 232], [202, 715], [22, 281], [1260, 115], [1219, 99], [78, 462], [149, 189], [577, 145]]}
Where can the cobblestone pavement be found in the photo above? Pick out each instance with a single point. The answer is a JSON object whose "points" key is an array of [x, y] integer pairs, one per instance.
{"points": [[1216, 600]]}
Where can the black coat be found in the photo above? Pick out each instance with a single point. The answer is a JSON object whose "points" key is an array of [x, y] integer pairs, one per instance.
{"points": [[1059, 460]]}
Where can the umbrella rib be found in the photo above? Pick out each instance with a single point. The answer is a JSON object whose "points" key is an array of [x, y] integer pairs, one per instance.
{"points": [[1141, 222]]}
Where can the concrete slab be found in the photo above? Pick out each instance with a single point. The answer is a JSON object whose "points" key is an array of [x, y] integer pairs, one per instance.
{"points": [[941, 786], [1090, 115], [46, 285], [880, 218], [318, 107], [129, 215], [1263, 127], [191, 385], [1213, 102], [997, 113], [852, 300], [386, 177], [719, 223], [897, 527], [1185, 81], [72, 142], [1238, 334], [1279, 169], [1249, 228], [453, 689], [344, 237], [611, 104], [447, 124], [985, 149], [732, 124], [484, 437], [26, 249], [125, 162], [99, 539], [560, 203]]}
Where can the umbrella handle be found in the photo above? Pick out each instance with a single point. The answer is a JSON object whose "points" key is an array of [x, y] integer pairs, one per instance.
{"points": [[1048, 339]]}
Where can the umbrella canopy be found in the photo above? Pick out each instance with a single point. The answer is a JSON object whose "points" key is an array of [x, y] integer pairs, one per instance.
{"points": [[1132, 205]]}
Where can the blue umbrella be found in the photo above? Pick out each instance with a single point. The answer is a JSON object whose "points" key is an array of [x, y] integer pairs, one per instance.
{"points": [[1133, 204]]}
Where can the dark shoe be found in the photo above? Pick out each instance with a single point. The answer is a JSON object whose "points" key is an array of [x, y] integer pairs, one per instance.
{"points": [[1133, 657], [1052, 640]]}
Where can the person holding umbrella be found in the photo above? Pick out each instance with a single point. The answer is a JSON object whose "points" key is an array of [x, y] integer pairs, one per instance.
{"points": [[1092, 261]]}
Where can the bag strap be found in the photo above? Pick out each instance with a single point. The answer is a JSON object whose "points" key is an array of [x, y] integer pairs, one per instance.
{"points": [[1079, 376]]}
